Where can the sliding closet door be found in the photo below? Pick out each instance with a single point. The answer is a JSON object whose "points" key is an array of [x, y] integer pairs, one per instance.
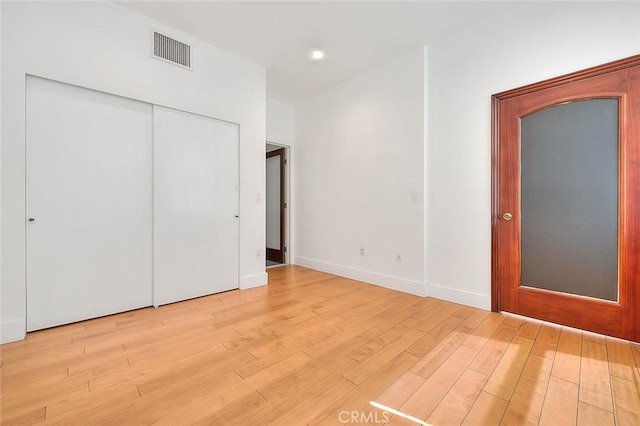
{"points": [[89, 204], [196, 171]]}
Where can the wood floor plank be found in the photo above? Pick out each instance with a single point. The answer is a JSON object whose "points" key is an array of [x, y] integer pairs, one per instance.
{"points": [[93, 405], [513, 321], [525, 404], [593, 337], [529, 328], [230, 412], [285, 395], [30, 396], [166, 406], [506, 375], [309, 348], [546, 341], [428, 396], [635, 348], [566, 365], [560, 403], [366, 391], [30, 349], [314, 371], [397, 394], [476, 318], [149, 369], [621, 361], [487, 410], [192, 374], [588, 415], [626, 393], [357, 325], [489, 356], [379, 338], [365, 369], [435, 336], [395, 322], [431, 320], [41, 361], [310, 407], [33, 380], [595, 385], [437, 356], [458, 401], [30, 416], [51, 336], [484, 331]]}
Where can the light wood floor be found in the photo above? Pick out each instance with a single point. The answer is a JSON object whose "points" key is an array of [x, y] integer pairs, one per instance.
{"points": [[313, 348]]}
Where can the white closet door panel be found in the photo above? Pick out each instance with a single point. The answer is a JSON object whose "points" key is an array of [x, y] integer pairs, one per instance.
{"points": [[89, 249], [196, 171]]}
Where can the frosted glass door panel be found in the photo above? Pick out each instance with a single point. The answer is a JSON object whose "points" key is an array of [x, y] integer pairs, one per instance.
{"points": [[570, 198], [89, 195], [273, 202], [196, 171]]}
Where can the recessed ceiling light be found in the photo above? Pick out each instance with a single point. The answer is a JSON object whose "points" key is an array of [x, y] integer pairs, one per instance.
{"points": [[316, 55]]}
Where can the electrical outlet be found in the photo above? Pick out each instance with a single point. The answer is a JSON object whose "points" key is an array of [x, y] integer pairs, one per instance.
{"points": [[258, 197], [361, 251], [398, 257], [413, 196], [257, 252]]}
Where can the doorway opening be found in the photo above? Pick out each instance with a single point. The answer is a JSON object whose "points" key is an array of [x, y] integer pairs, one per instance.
{"points": [[276, 205]]}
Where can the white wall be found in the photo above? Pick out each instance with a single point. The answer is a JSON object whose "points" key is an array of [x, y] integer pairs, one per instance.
{"points": [[105, 47], [280, 122], [280, 130], [551, 39], [1, 134], [359, 155]]}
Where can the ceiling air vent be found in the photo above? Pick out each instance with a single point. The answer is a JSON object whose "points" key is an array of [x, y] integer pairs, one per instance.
{"points": [[171, 50]]}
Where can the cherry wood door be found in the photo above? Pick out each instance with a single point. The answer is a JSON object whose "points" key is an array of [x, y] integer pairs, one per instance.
{"points": [[617, 316]]}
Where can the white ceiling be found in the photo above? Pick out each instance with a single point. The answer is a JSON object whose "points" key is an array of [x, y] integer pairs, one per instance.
{"points": [[355, 36]]}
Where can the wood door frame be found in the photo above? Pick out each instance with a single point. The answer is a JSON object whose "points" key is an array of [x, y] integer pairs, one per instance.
{"points": [[273, 254], [497, 99]]}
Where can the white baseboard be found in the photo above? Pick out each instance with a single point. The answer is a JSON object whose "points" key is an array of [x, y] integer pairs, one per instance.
{"points": [[394, 283], [462, 297], [251, 281], [13, 330]]}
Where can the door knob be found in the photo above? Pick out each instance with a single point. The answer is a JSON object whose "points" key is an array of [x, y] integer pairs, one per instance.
{"points": [[507, 216], [32, 219]]}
